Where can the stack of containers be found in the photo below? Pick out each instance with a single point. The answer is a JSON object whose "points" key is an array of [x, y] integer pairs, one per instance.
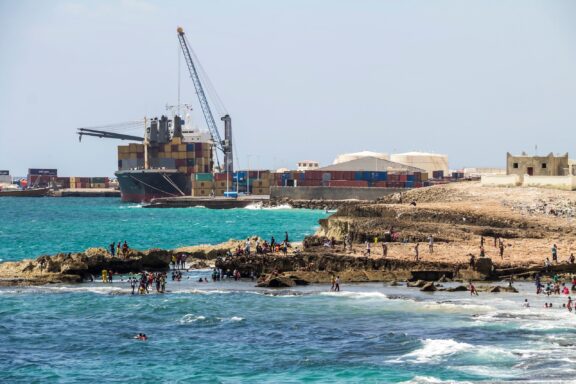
{"points": [[41, 177], [257, 182], [188, 158], [437, 175], [88, 182], [130, 156], [220, 184], [202, 184]]}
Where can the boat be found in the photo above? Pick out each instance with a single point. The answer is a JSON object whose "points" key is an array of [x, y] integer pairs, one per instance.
{"points": [[143, 185], [32, 192]]}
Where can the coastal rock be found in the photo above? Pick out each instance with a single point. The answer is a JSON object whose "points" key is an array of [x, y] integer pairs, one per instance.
{"points": [[417, 284], [484, 266], [298, 280], [276, 282], [428, 287], [460, 288], [497, 289]]}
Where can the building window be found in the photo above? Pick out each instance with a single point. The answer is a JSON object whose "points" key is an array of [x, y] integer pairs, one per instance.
{"points": [[543, 165], [515, 165]]}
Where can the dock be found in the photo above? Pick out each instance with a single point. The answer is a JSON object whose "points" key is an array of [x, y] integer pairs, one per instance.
{"points": [[87, 192], [207, 202]]}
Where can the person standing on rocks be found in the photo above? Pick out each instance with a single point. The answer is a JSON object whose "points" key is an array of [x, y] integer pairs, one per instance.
{"points": [[416, 253], [501, 247], [431, 244], [555, 253], [482, 241], [247, 247], [337, 284], [367, 253], [333, 281], [472, 262], [112, 248], [125, 249], [571, 259], [384, 249], [272, 243], [286, 239]]}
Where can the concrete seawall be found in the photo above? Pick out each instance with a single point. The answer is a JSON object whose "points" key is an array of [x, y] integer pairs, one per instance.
{"points": [[331, 193]]}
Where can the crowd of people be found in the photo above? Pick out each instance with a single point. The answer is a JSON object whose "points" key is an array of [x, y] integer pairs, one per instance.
{"points": [[145, 280], [556, 286], [120, 249]]}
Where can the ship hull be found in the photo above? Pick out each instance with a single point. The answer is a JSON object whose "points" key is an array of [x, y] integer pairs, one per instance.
{"points": [[35, 192], [137, 186]]}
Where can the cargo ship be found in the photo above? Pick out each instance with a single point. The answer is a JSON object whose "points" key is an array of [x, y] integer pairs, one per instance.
{"points": [[172, 159], [167, 163]]}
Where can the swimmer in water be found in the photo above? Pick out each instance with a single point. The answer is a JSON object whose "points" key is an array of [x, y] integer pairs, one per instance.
{"points": [[141, 337], [526, 304]]}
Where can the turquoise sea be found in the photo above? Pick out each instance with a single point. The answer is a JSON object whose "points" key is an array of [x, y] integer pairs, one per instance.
{"points": [[232, 332], [30, 227]]}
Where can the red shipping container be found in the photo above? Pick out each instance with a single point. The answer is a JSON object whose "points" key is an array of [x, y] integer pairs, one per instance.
{"points": [[348, 183], [403, 178], [380, 184]]}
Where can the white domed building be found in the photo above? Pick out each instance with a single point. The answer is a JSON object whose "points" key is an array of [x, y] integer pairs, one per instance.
{"points": [[360, 155], [430, 162]]}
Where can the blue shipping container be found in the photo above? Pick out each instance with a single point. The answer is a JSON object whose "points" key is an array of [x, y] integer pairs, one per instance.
{"points": [[379, 176], [410, 178]]}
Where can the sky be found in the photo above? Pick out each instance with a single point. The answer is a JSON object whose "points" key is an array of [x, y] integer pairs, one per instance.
{"points": [[301, 79]]}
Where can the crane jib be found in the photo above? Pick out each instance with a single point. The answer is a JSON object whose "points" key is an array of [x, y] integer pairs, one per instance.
{"points": [[224, 145]]}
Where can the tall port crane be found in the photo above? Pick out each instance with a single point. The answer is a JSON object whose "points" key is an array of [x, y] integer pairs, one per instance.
{"points": [[223, 145]]}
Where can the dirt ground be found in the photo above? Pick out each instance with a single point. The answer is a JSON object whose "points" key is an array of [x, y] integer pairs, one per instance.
{"points": [[529, 221]]}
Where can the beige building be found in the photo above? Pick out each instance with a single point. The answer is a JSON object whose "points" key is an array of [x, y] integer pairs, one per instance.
{"points": [[537, 165], [308, 165]]}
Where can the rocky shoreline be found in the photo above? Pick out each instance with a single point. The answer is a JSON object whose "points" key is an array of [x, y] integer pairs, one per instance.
{"points": [[312, 265]]}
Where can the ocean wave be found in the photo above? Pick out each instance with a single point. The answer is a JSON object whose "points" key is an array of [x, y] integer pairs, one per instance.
{"points": [[457, 307], [255, 206], [192, 318], [104, 290], [131, 206], [356, 295], [430, 379], [203, 291], [435, 350]]}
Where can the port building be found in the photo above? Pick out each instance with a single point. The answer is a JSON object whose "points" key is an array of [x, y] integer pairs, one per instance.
{"points": [[435, 164]]}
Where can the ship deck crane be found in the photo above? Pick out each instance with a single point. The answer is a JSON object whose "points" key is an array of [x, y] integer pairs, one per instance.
{"points": [[105, 134], [115, 135], [223, 145]]}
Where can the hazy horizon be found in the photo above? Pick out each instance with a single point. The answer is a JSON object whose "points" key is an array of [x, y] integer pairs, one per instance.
{"points": [[302, 80]]}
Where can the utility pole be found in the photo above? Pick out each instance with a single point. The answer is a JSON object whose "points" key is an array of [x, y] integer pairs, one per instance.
{"points": [[146, 143]]}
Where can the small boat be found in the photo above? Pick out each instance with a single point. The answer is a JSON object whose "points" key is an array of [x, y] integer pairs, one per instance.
{"points": [[32, 192]]}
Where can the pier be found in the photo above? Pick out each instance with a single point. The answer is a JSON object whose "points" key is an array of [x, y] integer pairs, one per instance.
{"points": [[207, 202]]}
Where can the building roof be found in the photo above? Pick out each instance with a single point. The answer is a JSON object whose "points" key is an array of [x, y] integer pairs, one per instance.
{"points": [[370, 164], [351, 156], [420, 154]]}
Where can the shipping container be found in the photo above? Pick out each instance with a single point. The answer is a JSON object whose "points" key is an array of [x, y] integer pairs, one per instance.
{"points": [[203, 176], [347, 183]]}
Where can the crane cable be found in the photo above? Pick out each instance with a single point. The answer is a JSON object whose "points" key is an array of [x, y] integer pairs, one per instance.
{"points": [[119, 127], [213, 95]]}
